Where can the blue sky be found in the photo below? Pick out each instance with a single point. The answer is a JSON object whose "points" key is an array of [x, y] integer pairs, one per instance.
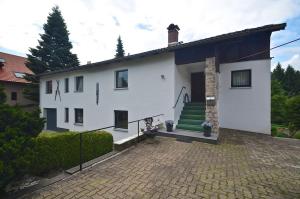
{"points": [[95, 25]]}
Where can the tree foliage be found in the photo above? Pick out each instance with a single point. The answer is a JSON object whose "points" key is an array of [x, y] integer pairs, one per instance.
{"points": [[285, 89], [2, 95], [52, 53], [120, 49]]}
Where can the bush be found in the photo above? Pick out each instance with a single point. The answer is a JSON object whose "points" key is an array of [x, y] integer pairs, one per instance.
{"points": [[274, 131], [297, 135], [283, 135], [278, 105], [61, 150], [16, 131], [293, 111]]}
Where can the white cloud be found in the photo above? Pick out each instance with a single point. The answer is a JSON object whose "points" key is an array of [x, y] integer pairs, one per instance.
{"points": [[293, 61], [92, 23]]}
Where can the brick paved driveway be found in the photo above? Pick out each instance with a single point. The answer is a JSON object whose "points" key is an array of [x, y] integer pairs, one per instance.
{"points": [[242, 166]]}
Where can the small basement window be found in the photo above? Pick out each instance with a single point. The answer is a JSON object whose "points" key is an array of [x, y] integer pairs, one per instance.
{"points": [[241, 78], [121, 119], [122, 79], [79, 84], [48, 87], [78, 116], [14, 96]]}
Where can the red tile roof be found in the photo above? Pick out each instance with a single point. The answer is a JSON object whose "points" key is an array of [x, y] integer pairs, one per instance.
{"points": [[13, 64]]}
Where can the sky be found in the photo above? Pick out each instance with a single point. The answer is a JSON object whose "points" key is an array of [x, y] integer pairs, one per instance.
{"points": [[95, 25]]}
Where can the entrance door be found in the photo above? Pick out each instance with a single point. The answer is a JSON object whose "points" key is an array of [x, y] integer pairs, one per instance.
{"points": [[51, 119], [198, 87]]}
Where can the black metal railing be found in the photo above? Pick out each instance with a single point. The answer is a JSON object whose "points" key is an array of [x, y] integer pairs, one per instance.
{"points": [[108, 127], [179, 96]]}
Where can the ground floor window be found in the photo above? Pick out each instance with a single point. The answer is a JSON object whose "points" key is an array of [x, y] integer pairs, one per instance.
{"points": [[78, 116], [66, 114], [13, 96], [121, 119]]}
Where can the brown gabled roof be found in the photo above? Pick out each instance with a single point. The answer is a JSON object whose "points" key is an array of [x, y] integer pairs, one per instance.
{"points": [[13, 64], [223, 37]]}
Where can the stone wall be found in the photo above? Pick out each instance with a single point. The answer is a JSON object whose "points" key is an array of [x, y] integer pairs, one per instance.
{"points": [[211, 90]]}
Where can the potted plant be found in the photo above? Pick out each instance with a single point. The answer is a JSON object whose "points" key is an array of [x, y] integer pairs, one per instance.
{"points": [[169, 125], [207, 126]]}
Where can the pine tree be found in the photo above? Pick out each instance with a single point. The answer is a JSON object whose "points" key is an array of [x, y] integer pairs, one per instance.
{"points": [[278, 73], [120, 50], [289, 80], [52, 53]]}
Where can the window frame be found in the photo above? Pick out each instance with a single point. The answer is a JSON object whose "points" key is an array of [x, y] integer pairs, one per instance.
{"points": [[67, 118], [116, 79], [13, 96], [49, 90], [120, 127], [67, 86], [76, 79], [76, 122], [242, 86]]}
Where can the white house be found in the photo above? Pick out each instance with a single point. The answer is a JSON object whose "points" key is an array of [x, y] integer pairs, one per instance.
{"points": [[226, 77]]}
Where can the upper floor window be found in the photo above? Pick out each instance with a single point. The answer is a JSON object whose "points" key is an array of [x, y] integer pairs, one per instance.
{"points": [[122, 79], [13, 96], [241, 78], [48, 87], [79, 84], [66, 85]]}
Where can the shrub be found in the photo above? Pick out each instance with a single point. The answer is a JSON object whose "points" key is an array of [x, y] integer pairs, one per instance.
{"points": [[278, 104], [274, 131], [293, 111], [61, 150], [16, 131], [283, 135], [297, 135]]}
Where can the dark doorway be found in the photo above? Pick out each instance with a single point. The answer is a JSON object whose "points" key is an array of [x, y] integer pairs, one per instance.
{"points": [[198, 87], [51, 119]]}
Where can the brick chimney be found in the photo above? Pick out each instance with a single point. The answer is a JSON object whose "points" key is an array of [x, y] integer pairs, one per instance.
{"points": [[172, 34]]}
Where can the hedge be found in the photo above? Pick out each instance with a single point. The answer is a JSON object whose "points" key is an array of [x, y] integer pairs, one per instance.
{"points": [[61, 150]]}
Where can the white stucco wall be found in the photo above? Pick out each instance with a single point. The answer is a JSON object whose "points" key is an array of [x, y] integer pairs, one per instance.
{"points": [[147, 94], [247, 109]]}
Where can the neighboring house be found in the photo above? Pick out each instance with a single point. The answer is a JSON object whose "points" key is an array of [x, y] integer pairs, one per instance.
{"points": [[12, 72], [230, 73]]}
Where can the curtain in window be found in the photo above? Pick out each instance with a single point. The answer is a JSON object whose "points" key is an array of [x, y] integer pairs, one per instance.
{"points": [[241, 78], [79, 83]]}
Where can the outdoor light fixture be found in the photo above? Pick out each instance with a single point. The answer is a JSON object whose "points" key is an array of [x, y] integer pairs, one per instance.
{"points": [[163, 76]]}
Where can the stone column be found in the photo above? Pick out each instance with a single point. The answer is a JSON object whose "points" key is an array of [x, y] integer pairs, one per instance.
{"points": [[211, 90]]}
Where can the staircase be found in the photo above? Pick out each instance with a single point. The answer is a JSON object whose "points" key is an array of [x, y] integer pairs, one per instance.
{"points": [[192, 116]]}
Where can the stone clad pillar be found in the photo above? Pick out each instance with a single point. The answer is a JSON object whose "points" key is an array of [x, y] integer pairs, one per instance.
{"points": [[211, 92]]}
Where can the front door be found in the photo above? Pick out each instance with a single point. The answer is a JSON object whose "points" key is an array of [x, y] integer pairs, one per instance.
{"points": [[51, 119], [198, 87]]}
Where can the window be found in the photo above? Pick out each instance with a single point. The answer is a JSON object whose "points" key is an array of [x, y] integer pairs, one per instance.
{"points": [[66, 85], [79, 84], [78, 116], [121, 119], [13, 96], [241, 78], [66, 115], [48, 87], [122, 79]]}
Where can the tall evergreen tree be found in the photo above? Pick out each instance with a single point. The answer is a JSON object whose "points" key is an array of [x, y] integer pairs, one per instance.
{"points": [[278, 73], [289, 80], [120, 50], [52, 53]]}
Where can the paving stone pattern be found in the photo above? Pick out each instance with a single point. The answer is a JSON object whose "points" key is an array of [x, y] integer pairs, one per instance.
{"points": [[241, 166]]}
